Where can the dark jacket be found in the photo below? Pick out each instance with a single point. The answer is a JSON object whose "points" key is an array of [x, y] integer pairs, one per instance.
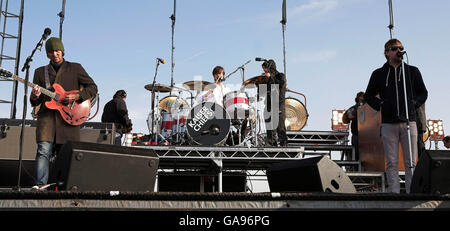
{"points": [[279, 79], [50, 126], [387, 82], [354, 122], [115, 111]]}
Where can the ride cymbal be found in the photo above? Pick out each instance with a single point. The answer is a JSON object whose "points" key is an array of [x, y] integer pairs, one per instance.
{"points": [[197, 85], [254, 81], [158, 87]]}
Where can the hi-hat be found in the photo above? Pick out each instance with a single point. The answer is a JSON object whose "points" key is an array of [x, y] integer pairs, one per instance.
{"points": [[198, 85], [158, 87], [255, 81]]}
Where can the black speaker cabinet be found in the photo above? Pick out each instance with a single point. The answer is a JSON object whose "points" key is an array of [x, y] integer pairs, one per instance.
{"points": [[432, 173], [92, 132], [317, 174], [10, 139], [100, 167], [97, 132]]}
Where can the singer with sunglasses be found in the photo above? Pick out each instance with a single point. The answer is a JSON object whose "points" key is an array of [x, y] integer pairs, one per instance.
{"points": [[385, 92]]}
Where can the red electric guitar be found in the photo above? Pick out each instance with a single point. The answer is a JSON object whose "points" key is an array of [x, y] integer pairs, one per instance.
{"points": [[74, 113]]}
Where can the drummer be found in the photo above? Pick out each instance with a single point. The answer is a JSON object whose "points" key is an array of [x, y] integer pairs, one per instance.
{"points": [[215, 92]]}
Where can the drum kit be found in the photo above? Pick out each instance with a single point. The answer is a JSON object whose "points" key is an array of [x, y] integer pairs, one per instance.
{"points": [[239, 122]]}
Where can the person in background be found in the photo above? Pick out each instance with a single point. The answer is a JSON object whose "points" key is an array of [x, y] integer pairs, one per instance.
{"points": [[115, 111], [350, 116], [446, 141]]}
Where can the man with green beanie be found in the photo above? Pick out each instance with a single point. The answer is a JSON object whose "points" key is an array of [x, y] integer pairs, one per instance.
{"points": [[52, 131]]}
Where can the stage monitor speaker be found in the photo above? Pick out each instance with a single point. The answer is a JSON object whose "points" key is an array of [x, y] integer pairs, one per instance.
{"points": [[100, 167], [432, 173], [317, 174]]}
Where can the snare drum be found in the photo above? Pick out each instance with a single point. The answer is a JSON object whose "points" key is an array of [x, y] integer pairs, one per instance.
{"points": [[236, 104], [208, 124]]}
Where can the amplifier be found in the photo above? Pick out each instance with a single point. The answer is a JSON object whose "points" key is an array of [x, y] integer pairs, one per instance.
{"points": [[91, 132]]}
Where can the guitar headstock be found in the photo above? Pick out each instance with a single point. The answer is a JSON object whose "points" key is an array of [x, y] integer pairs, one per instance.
{"points": [[5, 73]]}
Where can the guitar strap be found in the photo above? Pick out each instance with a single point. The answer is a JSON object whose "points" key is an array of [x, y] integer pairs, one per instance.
{"points": [[47, 79]]}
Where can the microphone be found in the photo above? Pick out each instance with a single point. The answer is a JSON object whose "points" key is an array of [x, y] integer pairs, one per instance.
{"points": [[161, 60], [401, 53], [260, 59], [47, 32]]}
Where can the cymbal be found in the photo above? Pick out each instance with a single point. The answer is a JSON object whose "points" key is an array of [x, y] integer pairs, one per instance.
{"points": [[158, 87], [171, 102], [197, 85], [296, 114], [254, 80]]}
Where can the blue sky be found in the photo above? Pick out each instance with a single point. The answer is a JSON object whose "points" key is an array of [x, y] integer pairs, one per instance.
{"points": [[332, 46]]}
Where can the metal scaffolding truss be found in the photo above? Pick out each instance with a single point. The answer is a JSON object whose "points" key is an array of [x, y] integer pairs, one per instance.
{"points": [[226, 152], [4, 16], [231, 158], [318, 137], [368, 181]]}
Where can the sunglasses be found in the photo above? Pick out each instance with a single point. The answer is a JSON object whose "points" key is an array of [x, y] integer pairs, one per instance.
{"points": [[394, 48]]}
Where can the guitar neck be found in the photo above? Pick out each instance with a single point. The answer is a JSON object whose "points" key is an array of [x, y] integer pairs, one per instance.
{"points": [[31, 84]]}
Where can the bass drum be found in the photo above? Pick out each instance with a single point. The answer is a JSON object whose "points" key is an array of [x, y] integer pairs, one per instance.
{"points": [[296, 114], [208, 124]]}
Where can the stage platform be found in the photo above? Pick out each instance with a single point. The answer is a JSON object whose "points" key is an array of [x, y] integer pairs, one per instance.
{"points": [[172, 201]]}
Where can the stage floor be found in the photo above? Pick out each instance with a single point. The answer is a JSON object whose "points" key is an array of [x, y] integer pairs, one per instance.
{"points": [[26, 200]]}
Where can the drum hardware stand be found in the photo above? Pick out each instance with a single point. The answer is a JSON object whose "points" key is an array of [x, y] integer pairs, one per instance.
{"points": [[177, 132], [181, 89], [242, 68], [153, 103]]}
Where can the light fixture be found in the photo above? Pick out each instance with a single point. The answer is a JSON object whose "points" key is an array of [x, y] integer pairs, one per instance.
{"points": [[128, 139], [436, 128], [336, 120]]}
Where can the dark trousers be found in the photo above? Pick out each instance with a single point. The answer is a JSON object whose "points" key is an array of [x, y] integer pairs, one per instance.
{"points": [[355, 146], [278, 134]]}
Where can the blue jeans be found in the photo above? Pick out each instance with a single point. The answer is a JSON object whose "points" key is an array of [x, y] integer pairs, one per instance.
{"points": [[118, 139], [43, 155]]}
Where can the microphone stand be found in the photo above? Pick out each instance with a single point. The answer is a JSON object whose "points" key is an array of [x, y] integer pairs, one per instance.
{"points": [[412, 162], [26, 66], [153, 103], [239, 68]]}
